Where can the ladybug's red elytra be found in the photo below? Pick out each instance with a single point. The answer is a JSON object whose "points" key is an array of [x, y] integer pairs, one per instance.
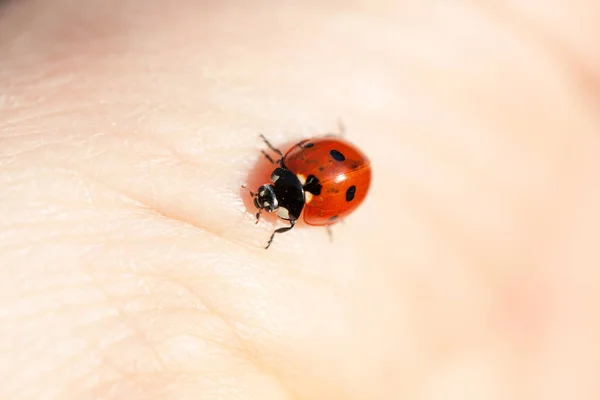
{"points": [[325, 177]]}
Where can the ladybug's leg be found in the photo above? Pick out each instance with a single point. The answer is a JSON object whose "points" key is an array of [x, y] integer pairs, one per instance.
{"points": [[258, 216], [268, 157], [341, 130], [329, 232], [253, 195], [341, 127], [281, 230], [275, 149]]}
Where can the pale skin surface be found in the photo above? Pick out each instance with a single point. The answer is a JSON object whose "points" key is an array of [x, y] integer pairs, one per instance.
{"points": [[130, 268]]}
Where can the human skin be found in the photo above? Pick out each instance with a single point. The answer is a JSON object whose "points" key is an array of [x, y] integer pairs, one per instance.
{"points": [[131, 267]]}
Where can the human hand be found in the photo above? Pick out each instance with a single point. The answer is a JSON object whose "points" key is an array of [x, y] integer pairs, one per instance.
{"points": [[131, 268]]}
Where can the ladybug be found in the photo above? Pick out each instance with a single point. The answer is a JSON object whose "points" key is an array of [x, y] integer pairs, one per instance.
{"points": [[325, 177]]}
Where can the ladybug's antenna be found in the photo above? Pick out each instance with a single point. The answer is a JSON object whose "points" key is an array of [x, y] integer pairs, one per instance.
{"points": [[341, 127], [248, 189]]}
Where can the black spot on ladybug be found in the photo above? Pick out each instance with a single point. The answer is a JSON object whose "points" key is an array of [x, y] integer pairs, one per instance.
{"points": [[337, 156], [350, 193], [331, 219], [313, 185], [308, 145]]}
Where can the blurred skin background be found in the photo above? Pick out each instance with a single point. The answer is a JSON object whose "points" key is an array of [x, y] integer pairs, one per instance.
{"points": [[131, 268]]}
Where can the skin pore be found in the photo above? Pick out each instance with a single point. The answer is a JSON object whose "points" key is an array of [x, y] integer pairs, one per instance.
{"points": [[131, 267]]}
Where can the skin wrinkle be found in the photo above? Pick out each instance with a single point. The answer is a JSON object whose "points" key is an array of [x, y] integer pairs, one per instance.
{"points": [[219, 344], [225, 320], [58, 238], [100, 236], [232, 350], [48, 292], [66, 308], [62, 111], [103, 360], [129, 322], [40, 373], [153, 207], [171, 151], [130, 196], [214, 311], [99, 285], [62, 365]]}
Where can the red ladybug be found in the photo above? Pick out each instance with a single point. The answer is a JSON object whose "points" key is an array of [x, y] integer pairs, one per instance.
{"points": [[326, 177]]}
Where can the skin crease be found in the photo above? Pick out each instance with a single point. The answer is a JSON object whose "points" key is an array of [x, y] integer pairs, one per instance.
{"points": [[131, 268]]}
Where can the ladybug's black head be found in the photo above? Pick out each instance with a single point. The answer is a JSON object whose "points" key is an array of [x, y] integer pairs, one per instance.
{"points": [[265, 198], [285, 195]]}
